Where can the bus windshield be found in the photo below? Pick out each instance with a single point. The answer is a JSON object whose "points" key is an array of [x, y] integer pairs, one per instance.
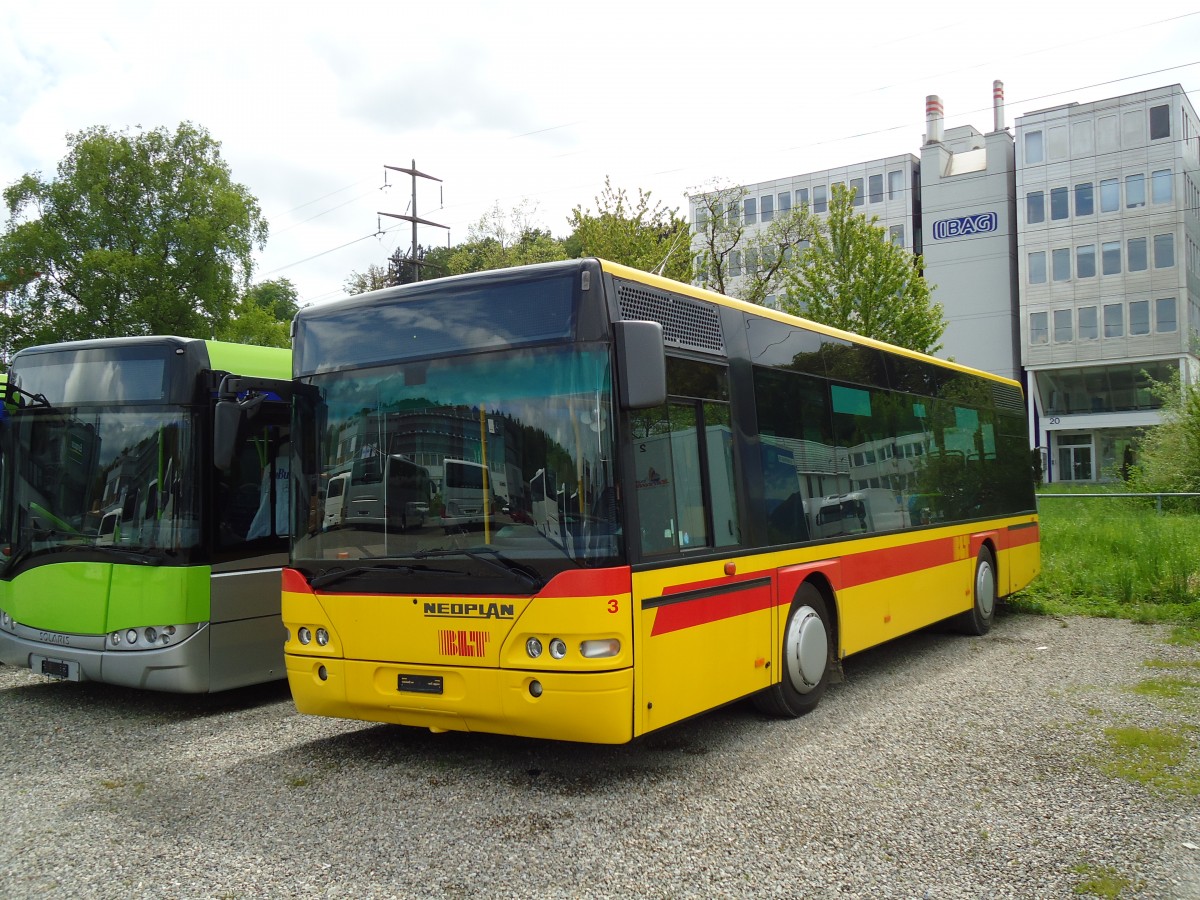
{"points": [[450, 458], [101, 479]]}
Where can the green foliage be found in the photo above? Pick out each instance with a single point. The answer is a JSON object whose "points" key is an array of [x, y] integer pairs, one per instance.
{"points": [[634, 234], [499, 240], [1169, 453], [142, 233], [1116, 558], [855, 278], [373, 279], [263, 316]]}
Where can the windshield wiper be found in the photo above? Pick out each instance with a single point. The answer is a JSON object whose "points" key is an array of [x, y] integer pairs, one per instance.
{"points": [[335, 574], [497, 561]]}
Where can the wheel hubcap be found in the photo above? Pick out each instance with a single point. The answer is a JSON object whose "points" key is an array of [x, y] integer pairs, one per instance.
{"points": [[985, 588], [807, 649]]}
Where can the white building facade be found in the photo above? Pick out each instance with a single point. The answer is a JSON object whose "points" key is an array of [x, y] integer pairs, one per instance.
{"points": [[1066, 256], [1107, 259]]}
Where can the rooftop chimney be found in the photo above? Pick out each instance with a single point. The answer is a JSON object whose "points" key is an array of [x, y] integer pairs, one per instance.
{"points": [[933, 119], [998, 104]]}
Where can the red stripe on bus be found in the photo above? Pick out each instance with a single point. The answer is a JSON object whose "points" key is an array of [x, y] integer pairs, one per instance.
{"points": [[705, 610], [876, 565], [1023, 537], [588, 583]]}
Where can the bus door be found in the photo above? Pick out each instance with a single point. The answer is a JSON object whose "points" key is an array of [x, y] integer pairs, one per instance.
{"points": [[704, 636]]}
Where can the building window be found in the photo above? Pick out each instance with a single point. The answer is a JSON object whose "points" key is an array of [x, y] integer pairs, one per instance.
{"points": [[895, 184], [1037, 267], [802, 197], [875, 188], [1034, 151], [1060, 264], [750, 205], [1139, 317], [1110, 195], [1114, 320], [1160, 186], [1062, 326], [1038, 329], [1164, 250], [1110, 257], [1135, 191], [735, 262], [1087, 323], [1035, 207], [734, 212], [785, 202], [1136, 253], [1165, 319], [1160, 122], [1084, 201], [896, 233], [1085, 261], [766, 206], [860, 197], [820, 199], [1058, 203]]}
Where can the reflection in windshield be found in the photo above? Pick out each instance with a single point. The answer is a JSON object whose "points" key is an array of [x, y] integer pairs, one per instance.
{"points": [[121, 481], [508, 453]]}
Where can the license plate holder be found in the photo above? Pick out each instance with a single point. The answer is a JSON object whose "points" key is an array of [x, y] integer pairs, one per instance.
{"points": [[58, 669], [419, 684]]}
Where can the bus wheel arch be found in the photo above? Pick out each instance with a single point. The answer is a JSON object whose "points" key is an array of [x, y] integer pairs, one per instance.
{"points": [[807, 655], [985, 594]]}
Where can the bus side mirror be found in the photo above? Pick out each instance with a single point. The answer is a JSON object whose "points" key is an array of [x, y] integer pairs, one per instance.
{"points": [[641, 364], [227, 424]]}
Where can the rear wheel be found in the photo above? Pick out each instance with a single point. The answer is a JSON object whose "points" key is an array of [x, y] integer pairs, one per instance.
{"points": [[807, 654], [978, 619]]}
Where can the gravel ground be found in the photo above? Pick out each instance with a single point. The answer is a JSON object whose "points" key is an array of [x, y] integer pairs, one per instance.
{"points": [[943, 767]]}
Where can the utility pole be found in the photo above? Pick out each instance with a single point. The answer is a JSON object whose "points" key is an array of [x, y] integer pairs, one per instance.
{"points": [[415, 262]]}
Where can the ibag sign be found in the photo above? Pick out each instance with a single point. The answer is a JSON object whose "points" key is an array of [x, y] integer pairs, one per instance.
{"points": [[980, 223]]}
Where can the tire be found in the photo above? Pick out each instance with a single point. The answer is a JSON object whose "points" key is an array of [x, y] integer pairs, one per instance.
{"points": [[806, 658], [978, 619]]}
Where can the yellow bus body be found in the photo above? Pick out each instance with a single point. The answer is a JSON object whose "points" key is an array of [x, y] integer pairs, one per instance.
{"points": [[702, 634]]}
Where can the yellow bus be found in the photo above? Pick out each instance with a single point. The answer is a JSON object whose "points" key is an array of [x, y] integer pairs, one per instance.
{"points": [[745, 498]]}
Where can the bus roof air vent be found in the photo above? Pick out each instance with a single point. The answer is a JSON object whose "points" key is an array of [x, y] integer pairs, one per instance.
{"points": [[686, 322]]}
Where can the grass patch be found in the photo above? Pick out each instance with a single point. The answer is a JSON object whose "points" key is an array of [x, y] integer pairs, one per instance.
{"points": [[1158, 758], [1117, 558], [1100, 881]]}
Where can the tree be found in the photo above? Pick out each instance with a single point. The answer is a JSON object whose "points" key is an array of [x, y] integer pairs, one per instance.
{"points": [[1169, 453], [139, 233], [499, 240], [263, 316], [855, 278], [748, 264], [650, 238], [373, 279], [718, 232]]}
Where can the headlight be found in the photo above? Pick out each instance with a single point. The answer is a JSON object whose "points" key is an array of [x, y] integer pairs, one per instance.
{"points": [[322, 637], [600, 649], [558, 648], [533, 647], [305, 636]]}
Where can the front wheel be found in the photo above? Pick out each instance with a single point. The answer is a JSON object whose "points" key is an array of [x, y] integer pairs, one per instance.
{"points": [[806, 658], [978, 619]]}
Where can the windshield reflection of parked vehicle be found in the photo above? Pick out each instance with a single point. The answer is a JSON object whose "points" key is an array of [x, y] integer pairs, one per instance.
{"points": [[363, 496]]}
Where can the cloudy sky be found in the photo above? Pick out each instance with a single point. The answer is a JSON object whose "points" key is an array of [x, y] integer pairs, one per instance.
{"points": [[536, 102]]}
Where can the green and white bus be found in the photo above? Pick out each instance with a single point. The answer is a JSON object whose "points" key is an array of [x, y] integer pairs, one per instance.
{"points": [[126, 556]]}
